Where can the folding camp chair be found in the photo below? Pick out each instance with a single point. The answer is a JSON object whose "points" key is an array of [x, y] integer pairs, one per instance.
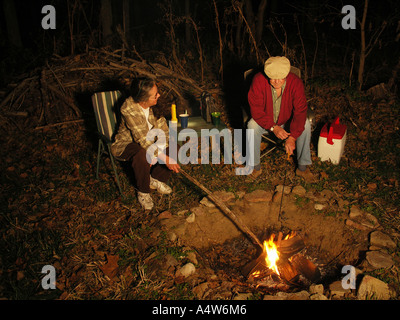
{"points": [[105, 106]]}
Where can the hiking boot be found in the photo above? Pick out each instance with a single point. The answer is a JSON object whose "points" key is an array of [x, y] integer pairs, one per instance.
{"points": [[145, 200], [160, 186]]}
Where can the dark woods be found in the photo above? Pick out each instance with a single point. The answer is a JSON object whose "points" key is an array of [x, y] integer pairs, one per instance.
{"points": [[204, 39]]}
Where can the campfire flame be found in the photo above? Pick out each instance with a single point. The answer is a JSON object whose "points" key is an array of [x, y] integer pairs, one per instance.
{"points": [[271, 254], [282, 263]]}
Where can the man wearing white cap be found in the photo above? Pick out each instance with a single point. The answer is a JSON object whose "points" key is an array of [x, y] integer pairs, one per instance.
{"points": [[277, 99]]}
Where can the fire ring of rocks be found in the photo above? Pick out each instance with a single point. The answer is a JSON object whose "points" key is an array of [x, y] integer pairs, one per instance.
{"points": [[312, 244]]}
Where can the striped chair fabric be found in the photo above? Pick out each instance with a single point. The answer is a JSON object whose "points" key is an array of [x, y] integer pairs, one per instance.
{"points": [[104, 104]]}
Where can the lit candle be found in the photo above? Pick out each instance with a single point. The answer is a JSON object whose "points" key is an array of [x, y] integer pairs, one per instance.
{"points": [[173, 113]]}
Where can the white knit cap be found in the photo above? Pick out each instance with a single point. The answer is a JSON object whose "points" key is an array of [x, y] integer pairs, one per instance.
{"points": [[277, 67]]}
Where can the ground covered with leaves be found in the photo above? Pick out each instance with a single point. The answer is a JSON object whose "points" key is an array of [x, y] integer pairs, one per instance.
{"points": [[54, 211]]}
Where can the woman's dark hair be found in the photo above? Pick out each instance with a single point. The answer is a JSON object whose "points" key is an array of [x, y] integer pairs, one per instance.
{"points": [[140, 88]]}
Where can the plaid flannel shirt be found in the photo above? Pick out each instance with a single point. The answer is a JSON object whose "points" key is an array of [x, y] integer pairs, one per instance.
{"points": [[134, 128]]}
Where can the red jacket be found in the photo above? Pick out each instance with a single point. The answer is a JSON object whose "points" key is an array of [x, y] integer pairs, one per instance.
{"points": [[294, 103]]}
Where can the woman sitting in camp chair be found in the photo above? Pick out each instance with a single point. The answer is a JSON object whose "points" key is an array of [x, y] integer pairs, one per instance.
{"points": [[131, 144]]}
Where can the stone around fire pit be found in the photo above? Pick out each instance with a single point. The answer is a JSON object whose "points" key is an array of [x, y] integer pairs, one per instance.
{"points": [[379, 239], [378, 259], [337, 291], [299, 191], [361, 220], [372, 288]]}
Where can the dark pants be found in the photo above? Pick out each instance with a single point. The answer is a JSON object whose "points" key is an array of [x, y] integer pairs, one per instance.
{"points": [[142, 169]]}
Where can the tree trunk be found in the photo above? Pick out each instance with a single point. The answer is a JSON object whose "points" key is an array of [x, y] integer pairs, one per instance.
{"points": [[238, 38], [250, 16], [260, 20], [126, 20], [363, 48], [187, 24], [71, 16], [392, 80], [221, 45], [106, 20], [14, 35]]}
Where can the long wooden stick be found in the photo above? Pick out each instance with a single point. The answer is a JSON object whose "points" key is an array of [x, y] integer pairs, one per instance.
{"points": [[59, 124], [224, 208]]}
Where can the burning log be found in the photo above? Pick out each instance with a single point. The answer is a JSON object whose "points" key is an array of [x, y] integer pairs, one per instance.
{"points": [[256, 268], [285, 248], [288, 272], [282, 261], [306, 267], [291, 245]]}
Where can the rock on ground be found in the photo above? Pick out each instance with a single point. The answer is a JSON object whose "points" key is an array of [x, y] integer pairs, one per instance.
{"points": [[372, 288], [299, 191], [378, 238], [378, 259], [337, 291], [187, 270]]}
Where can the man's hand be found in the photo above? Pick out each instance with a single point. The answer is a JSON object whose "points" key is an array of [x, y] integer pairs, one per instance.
{"points": [[280, 133], [290, 145]]}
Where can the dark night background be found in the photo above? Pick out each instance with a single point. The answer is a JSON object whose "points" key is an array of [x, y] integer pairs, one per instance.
{"points": [[148, 25]]}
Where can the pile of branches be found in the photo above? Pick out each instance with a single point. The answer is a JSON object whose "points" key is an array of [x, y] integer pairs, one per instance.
{"points": [[48, 96]]}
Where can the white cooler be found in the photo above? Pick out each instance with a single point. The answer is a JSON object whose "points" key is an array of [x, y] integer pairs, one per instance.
{"points": [[331, 141]]}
